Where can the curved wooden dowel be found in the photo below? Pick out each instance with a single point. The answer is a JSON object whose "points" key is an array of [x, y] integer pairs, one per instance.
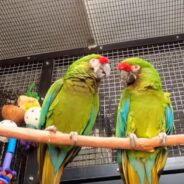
{"points": [[59, 138]]}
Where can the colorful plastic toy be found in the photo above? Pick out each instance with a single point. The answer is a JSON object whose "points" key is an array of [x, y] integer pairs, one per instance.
{"points": [[31, 119], [6, 174]]}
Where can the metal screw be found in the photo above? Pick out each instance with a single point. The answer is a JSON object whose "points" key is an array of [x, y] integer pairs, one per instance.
{"points": [[28, 58], [47, 63], [177, 37], [31, 178], [101, 47]]}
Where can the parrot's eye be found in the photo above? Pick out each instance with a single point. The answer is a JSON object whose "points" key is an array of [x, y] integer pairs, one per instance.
{"points": [[131, 78]]}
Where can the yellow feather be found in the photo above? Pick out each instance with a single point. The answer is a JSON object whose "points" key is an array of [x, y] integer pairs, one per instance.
{"points": [[48, 176]]}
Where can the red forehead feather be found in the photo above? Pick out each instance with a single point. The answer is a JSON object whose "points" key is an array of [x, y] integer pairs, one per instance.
{"points": [[103, 60], [124, 66]]}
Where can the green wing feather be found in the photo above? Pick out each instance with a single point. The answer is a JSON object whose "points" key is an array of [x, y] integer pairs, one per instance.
{"points": [[71, 114], [123, 110], [70, 107], [87, 131], [49, 98]]}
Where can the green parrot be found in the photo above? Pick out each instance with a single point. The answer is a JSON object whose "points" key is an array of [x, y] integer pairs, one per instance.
{"points": [[144, 111], [71, 105]]}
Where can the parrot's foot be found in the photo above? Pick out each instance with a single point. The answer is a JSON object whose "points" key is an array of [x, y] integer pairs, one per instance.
{"points": [[51, 128], [163, 137], [133, 140], [73, 137]]}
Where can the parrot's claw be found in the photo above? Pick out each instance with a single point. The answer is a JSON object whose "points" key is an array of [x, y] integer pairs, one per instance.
{"points": [[73, 136], [133, 139], [51, 128], [163, 137]]}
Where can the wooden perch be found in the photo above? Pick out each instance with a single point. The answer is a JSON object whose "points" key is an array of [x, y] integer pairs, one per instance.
{"points": [[59, 138]]}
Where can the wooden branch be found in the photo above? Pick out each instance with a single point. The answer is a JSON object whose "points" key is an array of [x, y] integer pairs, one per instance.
{"points": [[59, 138]]}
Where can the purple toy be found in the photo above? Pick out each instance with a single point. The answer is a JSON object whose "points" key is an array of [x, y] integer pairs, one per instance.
{"points": [[28, 145]]}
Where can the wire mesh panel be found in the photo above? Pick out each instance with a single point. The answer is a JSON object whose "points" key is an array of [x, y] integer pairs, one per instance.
{"points": [[114, 21], [42, 26], [169, 61], [14, 81], [17, 77]]}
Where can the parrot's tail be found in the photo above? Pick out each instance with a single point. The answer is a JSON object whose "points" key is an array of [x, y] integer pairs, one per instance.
{"points": [[48, 175], [137, 170]]}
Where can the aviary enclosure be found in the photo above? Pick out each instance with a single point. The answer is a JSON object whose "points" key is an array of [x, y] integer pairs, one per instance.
{"points": [[39, 39]]}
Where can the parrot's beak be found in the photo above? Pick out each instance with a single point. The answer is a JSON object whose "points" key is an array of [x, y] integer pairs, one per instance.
{"points": [[103, 70], [106, 69], [128, 78]]}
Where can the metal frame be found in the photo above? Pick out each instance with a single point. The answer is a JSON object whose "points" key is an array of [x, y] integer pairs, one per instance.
{"points": [[98, 173], [109, 172], [99, 49]]}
